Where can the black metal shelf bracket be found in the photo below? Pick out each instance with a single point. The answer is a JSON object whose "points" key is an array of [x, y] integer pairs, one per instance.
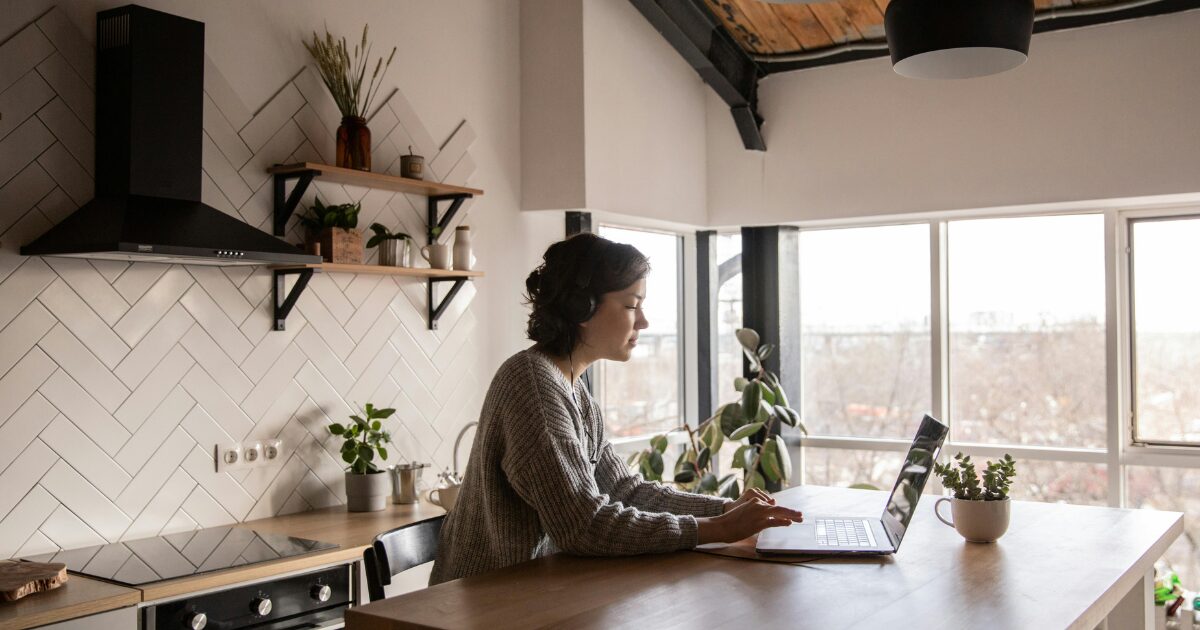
{"points": [[284, 308], [435, 312], [456, 201], [285, 205]]}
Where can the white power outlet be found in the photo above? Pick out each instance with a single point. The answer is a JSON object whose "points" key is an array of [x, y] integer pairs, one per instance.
{"points": [[249, 454]]}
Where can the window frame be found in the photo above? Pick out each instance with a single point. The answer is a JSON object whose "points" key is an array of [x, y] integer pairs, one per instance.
{"points": [[686, 283], [1120, 451]]}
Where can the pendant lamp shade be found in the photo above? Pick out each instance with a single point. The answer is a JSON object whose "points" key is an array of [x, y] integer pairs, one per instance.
{"points": [[958, 39]]}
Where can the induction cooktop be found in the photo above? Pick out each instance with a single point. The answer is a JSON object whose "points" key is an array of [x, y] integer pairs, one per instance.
{"points": [[148, 560]]}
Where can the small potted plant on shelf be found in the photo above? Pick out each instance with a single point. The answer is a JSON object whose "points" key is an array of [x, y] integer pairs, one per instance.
{"points": [[394, 247], [980, 512], [367, 487], [332, 229], [343, 75], [757, 418]]}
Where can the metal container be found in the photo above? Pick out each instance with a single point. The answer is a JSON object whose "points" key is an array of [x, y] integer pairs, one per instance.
{"points": [[412, 166], [404, 482]]}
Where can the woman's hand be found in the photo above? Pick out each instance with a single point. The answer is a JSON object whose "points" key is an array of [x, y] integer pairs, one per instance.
{"points": [[745, 517], [749, 495]]}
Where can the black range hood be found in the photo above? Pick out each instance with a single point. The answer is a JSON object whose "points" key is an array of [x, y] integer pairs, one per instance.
{"points": [[149, 143]]}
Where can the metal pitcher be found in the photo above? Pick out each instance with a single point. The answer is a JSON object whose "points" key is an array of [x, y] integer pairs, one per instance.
{"points": [[404, 482]]}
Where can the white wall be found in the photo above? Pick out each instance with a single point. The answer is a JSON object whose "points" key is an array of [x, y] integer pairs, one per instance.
{"points": [[1097, 113], [116, 380], [613, 119], [645, 118]]}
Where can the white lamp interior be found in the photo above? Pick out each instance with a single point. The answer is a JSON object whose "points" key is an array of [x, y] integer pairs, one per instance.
{"points": [[960, 63]]}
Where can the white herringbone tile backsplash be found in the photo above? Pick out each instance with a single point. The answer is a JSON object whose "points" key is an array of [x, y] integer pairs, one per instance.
{"points": [[116, 379]]}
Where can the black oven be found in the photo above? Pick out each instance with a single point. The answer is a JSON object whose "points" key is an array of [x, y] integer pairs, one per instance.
{"points": [[313, 600]]}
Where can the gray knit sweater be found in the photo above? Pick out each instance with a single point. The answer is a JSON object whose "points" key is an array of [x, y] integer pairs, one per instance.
{"points": [[542, 478]]}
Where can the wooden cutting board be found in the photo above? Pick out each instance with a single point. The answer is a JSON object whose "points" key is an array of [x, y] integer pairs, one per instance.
{"points": [[18, 579]]}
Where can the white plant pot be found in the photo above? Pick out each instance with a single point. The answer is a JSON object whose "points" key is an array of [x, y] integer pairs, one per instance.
{"points": [[977, 521]]}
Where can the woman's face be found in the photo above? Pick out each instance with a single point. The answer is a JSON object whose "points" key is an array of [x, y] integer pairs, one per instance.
{"points": [[613, 331]]}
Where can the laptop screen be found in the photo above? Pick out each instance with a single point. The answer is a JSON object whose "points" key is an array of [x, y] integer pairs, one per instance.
{"points": [[917, 467]]}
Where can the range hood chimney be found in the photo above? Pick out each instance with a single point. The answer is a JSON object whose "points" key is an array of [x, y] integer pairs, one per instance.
{"points": [[149, 143]]}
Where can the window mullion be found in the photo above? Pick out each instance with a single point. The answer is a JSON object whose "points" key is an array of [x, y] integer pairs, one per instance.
{"points": [[939, 323], [1116, 336]]}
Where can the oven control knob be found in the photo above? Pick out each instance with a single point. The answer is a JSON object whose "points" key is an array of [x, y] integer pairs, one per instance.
{"points": [[261, 606], [321, 592], [196, 621]]}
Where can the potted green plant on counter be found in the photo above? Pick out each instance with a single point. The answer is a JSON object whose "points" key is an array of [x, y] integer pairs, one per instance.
{"points": [[367, 486], [980, 512], [756, 418], [331, 229], [394, 247]]}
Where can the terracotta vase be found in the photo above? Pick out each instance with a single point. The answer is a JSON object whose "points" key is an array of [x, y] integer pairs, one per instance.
{"points": [[354, 144]]}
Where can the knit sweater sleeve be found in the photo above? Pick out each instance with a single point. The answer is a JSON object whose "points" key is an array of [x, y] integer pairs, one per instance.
{"points": [[547, 465], [613, 478]]}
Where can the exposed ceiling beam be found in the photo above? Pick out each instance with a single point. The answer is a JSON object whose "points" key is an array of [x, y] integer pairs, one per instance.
{"points": [[1044, 21], [695, 33]]}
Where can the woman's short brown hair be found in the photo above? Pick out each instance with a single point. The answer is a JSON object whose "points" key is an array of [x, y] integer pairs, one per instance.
{"points": [[566, 288]]}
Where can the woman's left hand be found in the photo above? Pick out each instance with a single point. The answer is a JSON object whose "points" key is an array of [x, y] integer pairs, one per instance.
{"points": [[750, 495]]}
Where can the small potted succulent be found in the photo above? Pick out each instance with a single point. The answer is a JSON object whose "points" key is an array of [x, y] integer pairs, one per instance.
{"points": [[394, 247], [367, 486], [330, 231], [980, 512]]}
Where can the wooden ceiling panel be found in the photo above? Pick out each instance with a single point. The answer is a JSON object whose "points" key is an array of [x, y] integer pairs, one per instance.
{"points": [[833, 17], [866, 17], [737, 25], [803, 25], [775, 36]]}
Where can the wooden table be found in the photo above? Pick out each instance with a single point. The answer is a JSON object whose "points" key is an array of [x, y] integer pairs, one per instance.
{"points": [[1059, 566], [78, 597]]}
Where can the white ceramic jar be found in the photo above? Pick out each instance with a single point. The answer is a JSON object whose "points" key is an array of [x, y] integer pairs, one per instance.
{"points": [[462, 248]]}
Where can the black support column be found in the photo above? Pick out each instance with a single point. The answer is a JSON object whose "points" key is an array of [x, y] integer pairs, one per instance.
{"points": [[771, 300], [706, 333], [581, 223]]}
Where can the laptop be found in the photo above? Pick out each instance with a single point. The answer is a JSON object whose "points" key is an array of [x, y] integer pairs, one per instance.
{"points": [[844, 535]]}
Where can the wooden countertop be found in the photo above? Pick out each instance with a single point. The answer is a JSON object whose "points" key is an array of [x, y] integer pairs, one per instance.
{"points": [[1059, 566], [78, 597], [352, 531]]}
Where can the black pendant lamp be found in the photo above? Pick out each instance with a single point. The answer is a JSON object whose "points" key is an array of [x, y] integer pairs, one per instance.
{"points": [[958, 39]]}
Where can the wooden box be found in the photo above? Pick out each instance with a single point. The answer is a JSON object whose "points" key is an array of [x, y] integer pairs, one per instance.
{"points": [[342, 246]]}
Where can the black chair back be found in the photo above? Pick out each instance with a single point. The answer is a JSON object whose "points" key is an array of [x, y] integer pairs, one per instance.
{"points": [[399, 550]]}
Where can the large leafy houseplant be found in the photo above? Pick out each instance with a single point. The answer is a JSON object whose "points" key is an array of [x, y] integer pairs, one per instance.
{"points": [[756, 418]]}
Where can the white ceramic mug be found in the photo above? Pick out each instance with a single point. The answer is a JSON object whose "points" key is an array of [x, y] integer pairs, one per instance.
{"points": [[438, 256], [977, 521], [444, 497]]}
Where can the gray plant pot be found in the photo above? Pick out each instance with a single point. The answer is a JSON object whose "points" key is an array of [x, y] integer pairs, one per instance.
{"points": [[367, 493]]}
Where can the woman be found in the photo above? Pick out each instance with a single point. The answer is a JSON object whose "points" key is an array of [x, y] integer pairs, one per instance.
{"points": [[542, 477]]}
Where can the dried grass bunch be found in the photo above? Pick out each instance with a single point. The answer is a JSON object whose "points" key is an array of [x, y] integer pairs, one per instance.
{"points": [[344, 75]]}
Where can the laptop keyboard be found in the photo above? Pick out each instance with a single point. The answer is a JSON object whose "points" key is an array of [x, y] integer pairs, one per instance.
{"points": [[833, 532]]}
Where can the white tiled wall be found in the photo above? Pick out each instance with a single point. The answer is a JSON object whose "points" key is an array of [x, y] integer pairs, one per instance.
{"points": [[116, 380]]}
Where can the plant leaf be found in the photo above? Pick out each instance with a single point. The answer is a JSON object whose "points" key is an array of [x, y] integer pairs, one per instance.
{"points": [[740, 383], [731, 418], [349, 456], [746, 431], [768, 396], [336, 428], [731, 490], [659, 443], [712, 437], [784, 456], [788, 416], [748, 338], [751, 396], [656, 463], [375, 426], [685, 476], [383, 453], [755, 480], [703, 459], [632, 457], [708, 483]]}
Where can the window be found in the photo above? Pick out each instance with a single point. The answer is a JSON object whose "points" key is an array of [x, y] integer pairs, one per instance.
{"points": [[728, 316], [864, 330], [1027, 362], [1166, 329], [645, 395]]}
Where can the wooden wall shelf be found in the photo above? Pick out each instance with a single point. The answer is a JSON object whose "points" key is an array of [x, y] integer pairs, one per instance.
{"points": [[368, 179], [305, 172]]}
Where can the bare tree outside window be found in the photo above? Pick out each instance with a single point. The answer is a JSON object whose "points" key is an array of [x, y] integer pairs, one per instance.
{"points": [[1027, 362], [1166, 329], [728, 315], [644, 396]]}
